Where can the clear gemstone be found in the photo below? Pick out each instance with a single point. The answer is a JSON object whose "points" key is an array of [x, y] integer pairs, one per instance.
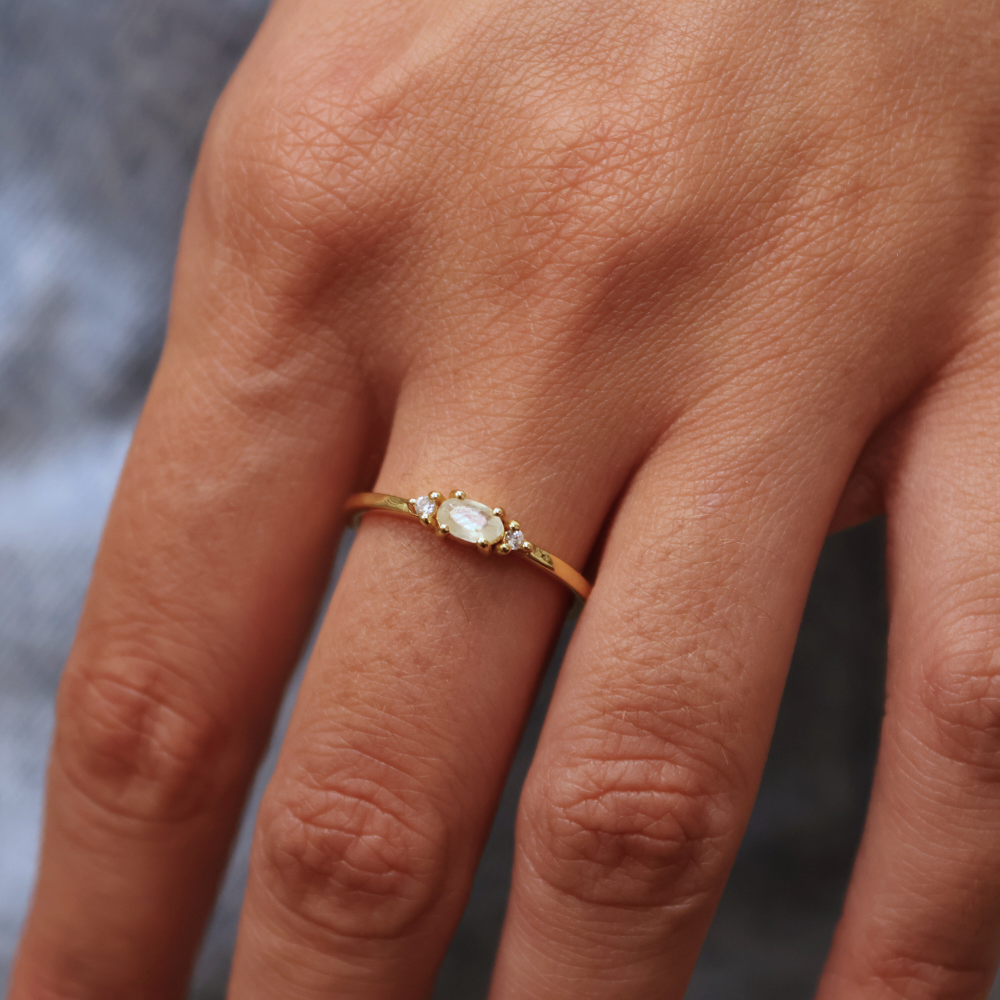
{"points": [[424, 506], [515, 539], [470, 520]]}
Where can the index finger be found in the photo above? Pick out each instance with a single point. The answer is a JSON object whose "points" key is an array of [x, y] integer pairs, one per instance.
{"points": [[214, 557]]}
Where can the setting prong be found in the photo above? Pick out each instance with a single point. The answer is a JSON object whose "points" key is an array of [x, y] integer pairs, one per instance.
{"points": [[483, 546], [514, 526], [528, 547], [443, 529], [498, 511], [435, 496], [425, 519], [503, 548], [412, 501], [458, 494]]}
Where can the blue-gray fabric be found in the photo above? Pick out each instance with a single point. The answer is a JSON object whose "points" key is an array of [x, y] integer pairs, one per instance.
{"points": [[102, 104]]}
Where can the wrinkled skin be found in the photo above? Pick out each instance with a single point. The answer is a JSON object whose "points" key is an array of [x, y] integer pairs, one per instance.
{"points": [[702, 281]]}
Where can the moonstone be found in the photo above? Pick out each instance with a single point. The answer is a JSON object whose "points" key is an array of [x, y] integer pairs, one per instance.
{"points": [[470, 520]]}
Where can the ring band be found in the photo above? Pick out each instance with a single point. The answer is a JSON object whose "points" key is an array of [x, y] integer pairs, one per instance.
{"points": [[470, 521]]}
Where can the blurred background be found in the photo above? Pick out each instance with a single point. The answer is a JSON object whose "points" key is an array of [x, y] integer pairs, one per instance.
{"points": [[103, 105]]}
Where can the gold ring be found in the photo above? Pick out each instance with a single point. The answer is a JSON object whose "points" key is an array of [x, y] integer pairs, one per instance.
{"points": [[470, 521]]}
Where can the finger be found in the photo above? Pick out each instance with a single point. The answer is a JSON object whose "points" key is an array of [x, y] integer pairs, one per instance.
{"points": [[412, 705], [863, 498], [922, 916], [215, 554], [650, 757]]}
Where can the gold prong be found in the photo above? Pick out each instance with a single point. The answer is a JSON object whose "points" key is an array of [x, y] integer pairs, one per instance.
{"points": [[443, 529], [498, 512], [412, 501], [528, 547], [503, 548], [435, 496], [483, 545], [458, 494], [514, 526], [425, 519]]}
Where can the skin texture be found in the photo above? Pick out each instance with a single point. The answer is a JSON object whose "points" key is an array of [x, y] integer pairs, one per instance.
{"points": [[710, 280]]}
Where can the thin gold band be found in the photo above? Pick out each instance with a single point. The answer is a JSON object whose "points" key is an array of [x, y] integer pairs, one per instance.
{"points": [[461, 520]]}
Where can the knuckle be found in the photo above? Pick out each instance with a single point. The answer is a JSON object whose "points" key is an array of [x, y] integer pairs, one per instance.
{"points": [[136, 740], [350, 857], [292, 214], [914, 977], [291, 169], [32, 979], [625, 830], [960, 689], [233, 179]]}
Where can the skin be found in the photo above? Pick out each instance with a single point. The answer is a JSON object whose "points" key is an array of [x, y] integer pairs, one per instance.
{"points": [[710, 279]]}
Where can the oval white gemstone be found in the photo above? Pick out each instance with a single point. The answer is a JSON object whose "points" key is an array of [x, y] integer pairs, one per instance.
{"points": [[470, 520]]}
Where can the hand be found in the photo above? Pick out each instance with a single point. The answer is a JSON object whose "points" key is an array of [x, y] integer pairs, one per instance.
{"points": [[717, 276]]}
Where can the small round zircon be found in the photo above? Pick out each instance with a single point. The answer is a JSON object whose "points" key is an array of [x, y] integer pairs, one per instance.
{"points": [[424, 506], [514, 538]]}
